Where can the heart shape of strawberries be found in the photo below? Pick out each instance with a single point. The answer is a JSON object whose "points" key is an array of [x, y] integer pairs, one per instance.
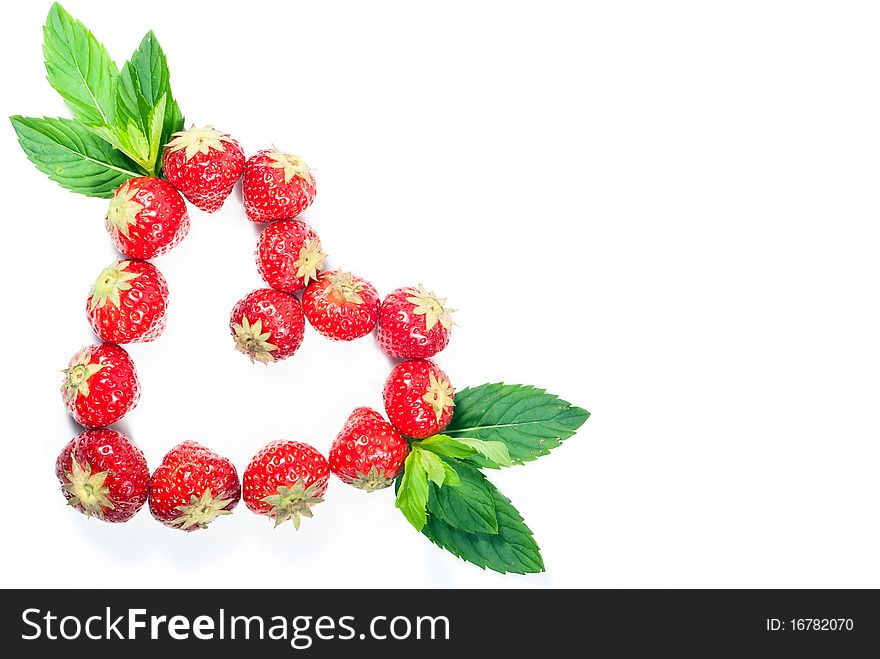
{"points": [[128, 303]]}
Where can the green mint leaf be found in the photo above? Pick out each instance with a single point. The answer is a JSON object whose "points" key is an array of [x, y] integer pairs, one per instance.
{"points": [[157, 119], [146, 112], [494, 454], [150, 68], [128, 139], [432, 465], [412, 491], [131, 106], [78, 67], [450, 477], [72, 156], [527, 420], [511, 549], [470, 507], [447, 446], [173, 123], [138, 144]]}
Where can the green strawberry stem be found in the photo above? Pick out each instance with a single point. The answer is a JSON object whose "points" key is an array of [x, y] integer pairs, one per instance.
{"points": [[87, 489], [374, 479], [293, 502], [201, 511]]}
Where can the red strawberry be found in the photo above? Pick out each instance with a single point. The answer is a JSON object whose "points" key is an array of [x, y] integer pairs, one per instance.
{"points": [[276, 186], [368, 453], [413, 323], [100, 385], [341, 306], [192, 487], [418, 398], [289, 255], [204, 165], [284, 480], [128, 302], [267, 325], [102, 473], [146, 218]]}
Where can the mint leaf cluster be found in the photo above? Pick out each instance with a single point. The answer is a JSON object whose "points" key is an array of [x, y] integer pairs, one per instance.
{"points": [[443, 493], [122, 118]]}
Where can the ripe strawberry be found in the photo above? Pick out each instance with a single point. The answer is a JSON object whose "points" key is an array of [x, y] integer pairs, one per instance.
{"points": [[341, 306], [128, 302], [102, 473], [100, 385], [414, 323], [146, 218], [368, 453], [418, 398], [204, 165], [276, 186], [192, 487], [284, 480], [267, 325], [289, 255]]}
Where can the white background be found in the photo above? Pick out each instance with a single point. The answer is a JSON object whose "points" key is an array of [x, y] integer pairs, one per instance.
{"points": [[663, 212]]}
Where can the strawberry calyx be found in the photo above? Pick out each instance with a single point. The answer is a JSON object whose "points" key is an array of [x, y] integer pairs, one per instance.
{"points": [[123, 209], [198, 140], [439, 395], [293, 502], [291, 164], [309, 261], [78, 373], [374, 479], [87, 489], [344, 286], [430, 306], [253, 341], [201, 511], [109, 283]]}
